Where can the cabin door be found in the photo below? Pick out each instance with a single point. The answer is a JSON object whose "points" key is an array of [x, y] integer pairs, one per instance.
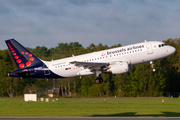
{"points": [[149, 48]]}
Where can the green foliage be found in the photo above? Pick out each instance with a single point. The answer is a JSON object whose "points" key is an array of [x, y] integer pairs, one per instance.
{"points": [[141, 81]]}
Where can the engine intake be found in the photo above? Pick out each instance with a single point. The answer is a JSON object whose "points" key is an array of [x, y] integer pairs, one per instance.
{"points": [[119, 68]]}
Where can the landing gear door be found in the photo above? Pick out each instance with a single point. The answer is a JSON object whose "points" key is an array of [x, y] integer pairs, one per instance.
{"points": [[46, 70], [149, 48]]}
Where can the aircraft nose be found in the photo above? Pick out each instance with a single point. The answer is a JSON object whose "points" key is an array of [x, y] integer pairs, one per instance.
{"points": [[172, 50]]}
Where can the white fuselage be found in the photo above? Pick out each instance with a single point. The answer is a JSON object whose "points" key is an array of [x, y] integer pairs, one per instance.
{"points": [[132, 54]]}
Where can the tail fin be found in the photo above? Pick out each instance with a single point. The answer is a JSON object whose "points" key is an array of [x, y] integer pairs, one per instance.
{"points": [[22, 57]]}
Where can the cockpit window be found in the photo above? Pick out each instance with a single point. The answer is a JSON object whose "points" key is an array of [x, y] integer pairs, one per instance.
{"points": [[162, 45]]}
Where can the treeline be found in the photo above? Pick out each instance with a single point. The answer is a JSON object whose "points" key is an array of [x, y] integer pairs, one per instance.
{"points": [[141, 81]]}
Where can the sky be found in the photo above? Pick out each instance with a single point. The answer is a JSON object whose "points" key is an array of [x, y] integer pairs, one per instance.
{"points": [[109, 22]]}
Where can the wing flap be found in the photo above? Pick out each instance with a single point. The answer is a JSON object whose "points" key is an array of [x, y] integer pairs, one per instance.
{"points": [[90, 65]]}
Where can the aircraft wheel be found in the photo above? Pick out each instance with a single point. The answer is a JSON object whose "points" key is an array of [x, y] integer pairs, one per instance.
{"points": [[99, 80]]}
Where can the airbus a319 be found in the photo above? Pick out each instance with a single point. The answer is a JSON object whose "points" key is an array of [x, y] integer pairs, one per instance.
{"points": [[117, 61]]}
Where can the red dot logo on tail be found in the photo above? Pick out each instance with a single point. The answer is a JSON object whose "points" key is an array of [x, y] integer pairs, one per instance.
{"points": [[16, 57], [18, 61], [31, 59], [28, 63], [21, 65], [30, 55]]}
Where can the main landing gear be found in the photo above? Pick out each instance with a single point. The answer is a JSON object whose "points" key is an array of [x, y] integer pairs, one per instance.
{"points": [[152, 65], [99, 79]]}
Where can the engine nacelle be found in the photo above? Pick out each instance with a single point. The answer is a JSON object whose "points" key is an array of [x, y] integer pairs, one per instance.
{"points": [[85, 72], [119, 68]]}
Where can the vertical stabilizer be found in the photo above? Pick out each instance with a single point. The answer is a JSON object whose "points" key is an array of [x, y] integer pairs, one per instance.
{"points": [[22, 57]]}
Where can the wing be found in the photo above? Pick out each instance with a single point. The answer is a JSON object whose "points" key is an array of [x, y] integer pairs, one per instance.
{"points": [[91, 65]]}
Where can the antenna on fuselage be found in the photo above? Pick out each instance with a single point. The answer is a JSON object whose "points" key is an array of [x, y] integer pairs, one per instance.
{"points": [[145, 41]]}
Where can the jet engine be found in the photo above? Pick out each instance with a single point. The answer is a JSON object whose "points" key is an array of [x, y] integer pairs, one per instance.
{"points": [[119, 68]]}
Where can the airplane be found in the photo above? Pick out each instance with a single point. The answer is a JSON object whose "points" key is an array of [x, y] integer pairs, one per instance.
{"points": [[116, 60]]}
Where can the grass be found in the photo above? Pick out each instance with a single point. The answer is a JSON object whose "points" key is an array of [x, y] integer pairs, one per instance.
{"points": [[70, 107]]}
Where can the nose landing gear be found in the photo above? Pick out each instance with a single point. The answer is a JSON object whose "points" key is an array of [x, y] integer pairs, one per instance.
{"points": [[152, 65]]}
